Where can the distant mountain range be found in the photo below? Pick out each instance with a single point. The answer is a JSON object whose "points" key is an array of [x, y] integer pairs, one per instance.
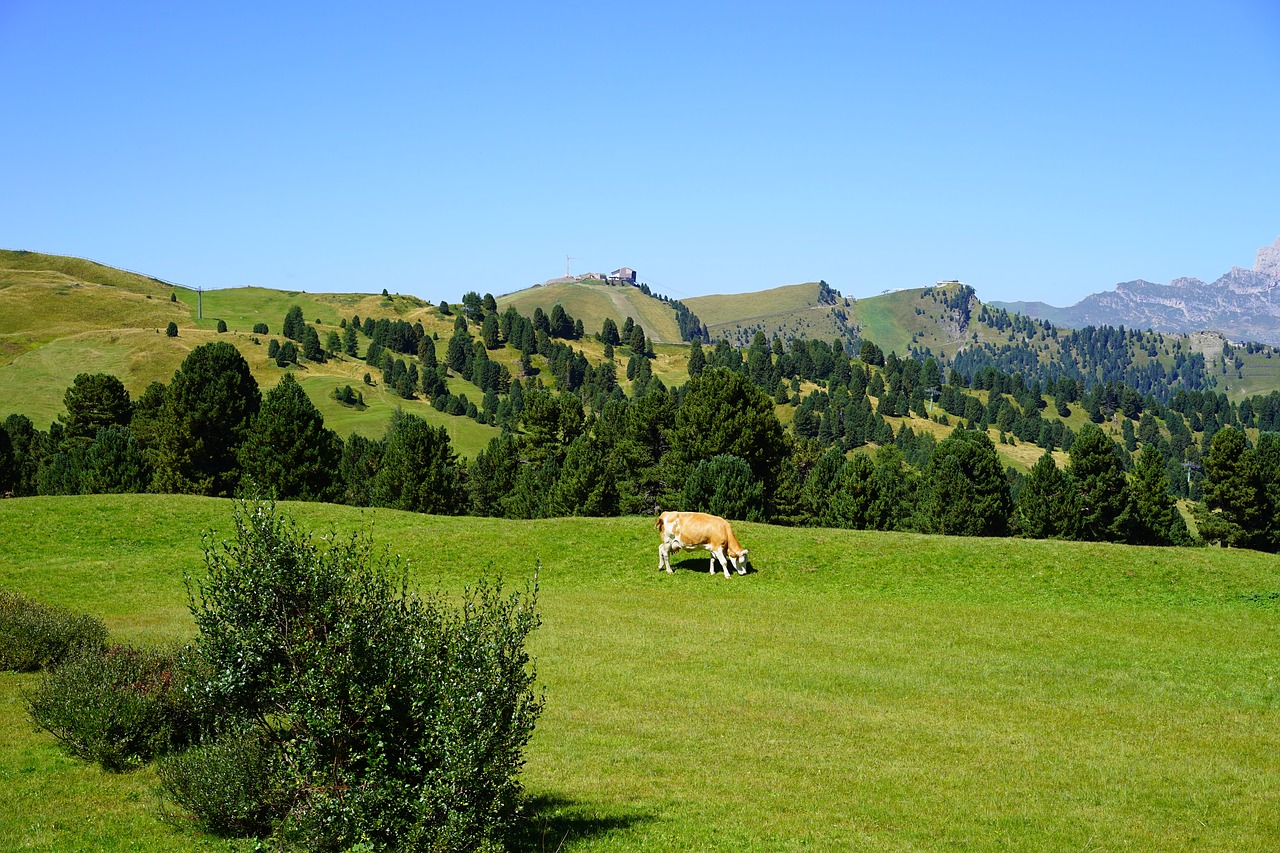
{"points": [[1243, 304]]}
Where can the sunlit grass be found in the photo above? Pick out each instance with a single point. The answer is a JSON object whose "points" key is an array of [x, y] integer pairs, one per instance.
{"points": [[858, 691]]}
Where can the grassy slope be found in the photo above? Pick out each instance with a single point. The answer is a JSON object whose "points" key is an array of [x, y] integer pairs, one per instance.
{"points": [[789, 311], [592, 303], [860, 691], [62, 316]]}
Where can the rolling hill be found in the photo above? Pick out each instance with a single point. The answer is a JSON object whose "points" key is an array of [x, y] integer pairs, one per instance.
{"points": [[62, 316], [592, 303]]}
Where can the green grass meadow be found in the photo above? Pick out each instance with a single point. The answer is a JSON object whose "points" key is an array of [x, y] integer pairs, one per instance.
{"points": [[857, 691]]}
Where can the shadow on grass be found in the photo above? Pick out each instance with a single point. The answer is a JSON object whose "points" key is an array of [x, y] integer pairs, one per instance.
{"points": [[699, 565], [551, 823]]}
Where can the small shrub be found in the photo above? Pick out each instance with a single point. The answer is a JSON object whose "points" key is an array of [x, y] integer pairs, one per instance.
{"points": [[40, 636], [172, 329], [117, 707], [222, 326], [402, 719], [227, 784]]}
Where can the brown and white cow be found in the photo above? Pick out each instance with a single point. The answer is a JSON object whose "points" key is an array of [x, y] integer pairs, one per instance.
{"points": [[690, 530]]}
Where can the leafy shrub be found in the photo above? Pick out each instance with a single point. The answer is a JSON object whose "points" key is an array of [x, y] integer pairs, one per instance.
{"points": [[227, 782], [119, 706], [39, 636], [402, 719]]}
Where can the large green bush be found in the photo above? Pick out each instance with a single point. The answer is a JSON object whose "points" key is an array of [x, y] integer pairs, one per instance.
{"points": [[39, 636], [400, 720], [119, 707]]}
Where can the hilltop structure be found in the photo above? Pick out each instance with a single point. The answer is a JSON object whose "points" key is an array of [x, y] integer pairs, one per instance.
{"points": [[622, 275]]}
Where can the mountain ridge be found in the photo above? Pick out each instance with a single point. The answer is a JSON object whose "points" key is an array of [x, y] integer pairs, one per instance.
{"points": [[1242, 304]]}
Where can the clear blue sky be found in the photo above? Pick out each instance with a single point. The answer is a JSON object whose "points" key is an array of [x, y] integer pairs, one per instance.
{"points": [[1033, 150]]}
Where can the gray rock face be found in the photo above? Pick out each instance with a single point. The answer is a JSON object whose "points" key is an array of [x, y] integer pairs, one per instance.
{"points": [[1268, 262], [1242, 304]]}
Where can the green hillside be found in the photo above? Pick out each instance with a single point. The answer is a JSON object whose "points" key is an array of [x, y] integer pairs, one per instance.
{"points": [[592, 303], [18, 265], [792, 311], [62, 316], [856, 691]]}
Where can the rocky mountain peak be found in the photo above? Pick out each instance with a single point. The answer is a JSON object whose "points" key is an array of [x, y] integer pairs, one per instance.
{"points": [[1268, 261], [1243, 304]]}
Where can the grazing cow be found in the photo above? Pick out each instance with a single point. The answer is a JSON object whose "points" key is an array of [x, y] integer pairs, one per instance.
{"points": [[690, 530]]}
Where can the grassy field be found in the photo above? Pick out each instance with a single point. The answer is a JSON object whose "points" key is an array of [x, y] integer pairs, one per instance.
{"points": [[857, 691]]}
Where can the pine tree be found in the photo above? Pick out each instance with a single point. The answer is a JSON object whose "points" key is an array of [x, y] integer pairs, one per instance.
{"points": [[725, 486], [419, 471], [1156, 520], [207, 411], [115, 464], [293, 324], [1235, 508], [964, 488], [1267, 454], [586, 482], [1098, 472], [287, 354], [696, 359], [1048, 504], [489, 332], [311, 349], [288, 454], [723, 413], [94, 401], [609, 332]]}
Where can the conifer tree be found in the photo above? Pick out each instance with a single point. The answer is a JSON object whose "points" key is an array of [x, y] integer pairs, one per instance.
{"points": [[419, 471], [1048, 504], [724, 485], [724, 413], [697, 358], [294, 324], [965, 492], [288, 454], [94, 401], [1234, 512], [114, 464], [207, 411], [1098, 472], [489, 332], [1156, 520], [586, 482]]}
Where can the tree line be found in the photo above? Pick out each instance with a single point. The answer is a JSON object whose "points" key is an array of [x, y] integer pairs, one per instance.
{"points": [[573, 443]]}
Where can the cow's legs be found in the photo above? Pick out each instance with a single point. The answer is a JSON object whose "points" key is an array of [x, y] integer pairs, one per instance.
{"points": [[718, 554], [664, 557]]}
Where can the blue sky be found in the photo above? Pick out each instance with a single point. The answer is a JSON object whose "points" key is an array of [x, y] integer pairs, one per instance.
{"points": [[1035, 151]]}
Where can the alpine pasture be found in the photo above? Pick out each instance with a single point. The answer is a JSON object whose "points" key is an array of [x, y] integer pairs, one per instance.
{"points": [[859, 690]]}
